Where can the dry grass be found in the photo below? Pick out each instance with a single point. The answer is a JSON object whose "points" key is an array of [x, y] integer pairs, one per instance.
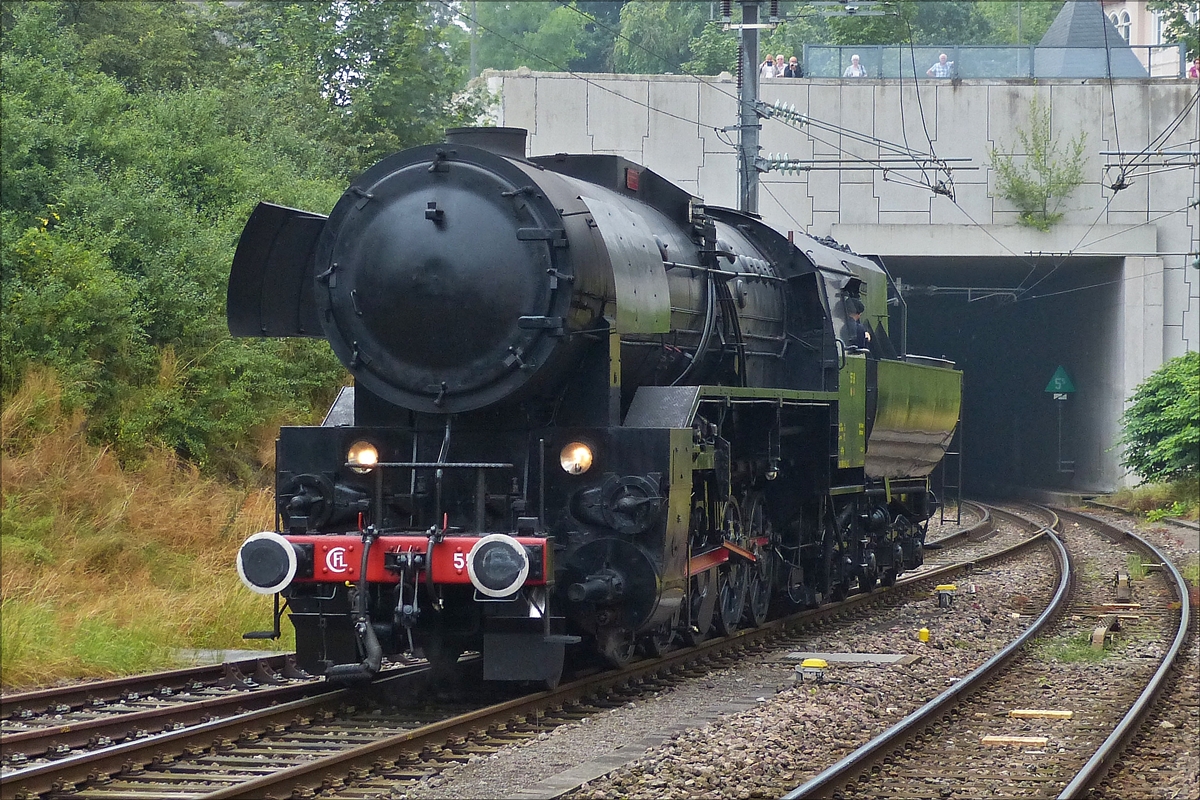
{"points": [[108, 570], [1156, 500]]}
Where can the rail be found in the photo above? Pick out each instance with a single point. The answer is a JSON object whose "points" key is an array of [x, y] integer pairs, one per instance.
{"points": [[824, 783], [63, 774], [1102, 760], [82, 694]]}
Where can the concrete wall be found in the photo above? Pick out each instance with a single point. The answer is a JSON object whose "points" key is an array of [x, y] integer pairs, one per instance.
{"points": [[675, 126]]}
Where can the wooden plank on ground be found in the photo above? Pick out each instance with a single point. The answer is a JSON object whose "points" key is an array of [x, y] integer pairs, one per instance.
{"points": [[1019, 741], [1040, 713]]}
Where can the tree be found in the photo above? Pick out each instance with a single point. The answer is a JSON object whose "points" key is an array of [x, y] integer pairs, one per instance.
{"points": [[656, 37], [126, 178], [1018, 23], [1038, 184], [1178, 27], [377, 76], [714, 51], [575, 36], [1161, 427]]}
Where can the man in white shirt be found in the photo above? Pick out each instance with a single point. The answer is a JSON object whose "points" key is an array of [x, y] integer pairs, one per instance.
{"points": [[767, 68], [941, 69]]}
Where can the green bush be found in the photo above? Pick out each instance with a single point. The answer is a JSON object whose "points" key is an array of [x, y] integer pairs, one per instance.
{"points": [[136, 139], [1161, 427]]}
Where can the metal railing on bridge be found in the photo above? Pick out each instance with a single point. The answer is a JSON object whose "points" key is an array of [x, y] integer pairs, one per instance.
{"points": [[987, 61]]}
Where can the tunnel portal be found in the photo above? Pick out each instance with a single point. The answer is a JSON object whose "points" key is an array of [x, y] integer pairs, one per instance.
{"points": [[1009, 328]]}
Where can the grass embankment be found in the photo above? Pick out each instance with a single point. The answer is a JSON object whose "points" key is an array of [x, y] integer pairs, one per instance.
{"points": [[107, 570], [1159, 500], [1156, 501]]}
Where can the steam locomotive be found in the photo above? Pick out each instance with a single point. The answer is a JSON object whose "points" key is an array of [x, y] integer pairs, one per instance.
{"points": [[589, 413]]}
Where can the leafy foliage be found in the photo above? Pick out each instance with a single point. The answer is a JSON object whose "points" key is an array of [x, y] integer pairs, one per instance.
{"points": [[656, 37], [646, 36], [1039, 183], [1161, 427], [1177, 27], [714, 51], [546, 36], [135, 138], [1016, 23]]}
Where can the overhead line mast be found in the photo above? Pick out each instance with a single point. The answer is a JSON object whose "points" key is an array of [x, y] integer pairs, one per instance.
{"points": [[748, 120]]}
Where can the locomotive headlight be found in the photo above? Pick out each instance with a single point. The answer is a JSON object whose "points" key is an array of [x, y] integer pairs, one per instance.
{"points": [[576, 458], [362, 457], [497, 565]]}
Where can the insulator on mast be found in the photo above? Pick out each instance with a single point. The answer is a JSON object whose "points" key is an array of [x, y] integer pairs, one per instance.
{"points": [[726, 11]]}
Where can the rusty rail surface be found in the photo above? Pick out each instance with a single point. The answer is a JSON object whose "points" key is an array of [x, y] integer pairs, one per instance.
{"points": [[83, 694]]}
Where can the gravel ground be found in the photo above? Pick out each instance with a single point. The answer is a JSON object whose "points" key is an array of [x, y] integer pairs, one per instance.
{"points": [[787, 731], [1164, 762], [752, 731]]}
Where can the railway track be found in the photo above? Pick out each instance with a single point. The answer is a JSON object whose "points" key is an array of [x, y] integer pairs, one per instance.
{"points": [[52, 724], [48, 707], [349, 740], [1015, 727]]}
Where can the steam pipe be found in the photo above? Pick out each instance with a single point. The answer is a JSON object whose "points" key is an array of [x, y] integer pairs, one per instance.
{"points": [[363, 630]]}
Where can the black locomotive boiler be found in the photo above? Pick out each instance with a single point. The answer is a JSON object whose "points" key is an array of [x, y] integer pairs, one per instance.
{"points": [[588, 411]]}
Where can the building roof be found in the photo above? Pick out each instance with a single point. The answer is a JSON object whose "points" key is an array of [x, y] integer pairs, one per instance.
{"points": [[1083, 24]]}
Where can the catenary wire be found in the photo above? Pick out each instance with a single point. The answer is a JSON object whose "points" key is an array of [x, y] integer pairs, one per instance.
{"points": [[865, 138], [905, 150], [799, 226], [1068, 254], [1150, 221]]}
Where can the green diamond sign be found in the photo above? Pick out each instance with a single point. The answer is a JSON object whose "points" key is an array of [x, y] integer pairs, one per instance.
{"points": [[1060, 382]]}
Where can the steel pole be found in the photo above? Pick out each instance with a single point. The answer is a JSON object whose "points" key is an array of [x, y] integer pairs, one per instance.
{"points": [[1059, 466], [747, 114]]}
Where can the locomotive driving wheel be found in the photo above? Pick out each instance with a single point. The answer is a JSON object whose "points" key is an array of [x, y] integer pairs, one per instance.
{"points": [[867, 581], [759, 584], [733, 575]]}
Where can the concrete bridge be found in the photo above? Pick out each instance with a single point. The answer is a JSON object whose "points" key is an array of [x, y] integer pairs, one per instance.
{"points": [[1108, 293]]}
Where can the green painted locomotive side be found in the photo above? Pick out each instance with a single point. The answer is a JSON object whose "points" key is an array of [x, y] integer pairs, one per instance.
{"points": [[852, 412], [917, 409]]}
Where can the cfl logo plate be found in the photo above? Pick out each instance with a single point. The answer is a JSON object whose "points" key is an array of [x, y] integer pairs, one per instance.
{"points": [[335, 560]]}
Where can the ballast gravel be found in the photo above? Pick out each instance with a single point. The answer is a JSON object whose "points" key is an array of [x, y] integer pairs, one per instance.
{"points": [[753, 730]]}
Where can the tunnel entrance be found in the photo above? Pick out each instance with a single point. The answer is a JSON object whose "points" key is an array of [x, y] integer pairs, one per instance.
{"points": [[1009, 324]]}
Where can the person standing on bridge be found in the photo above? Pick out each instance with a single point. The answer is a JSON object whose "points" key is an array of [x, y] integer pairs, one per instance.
{"points": [[855, 70], [942, 69]]}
